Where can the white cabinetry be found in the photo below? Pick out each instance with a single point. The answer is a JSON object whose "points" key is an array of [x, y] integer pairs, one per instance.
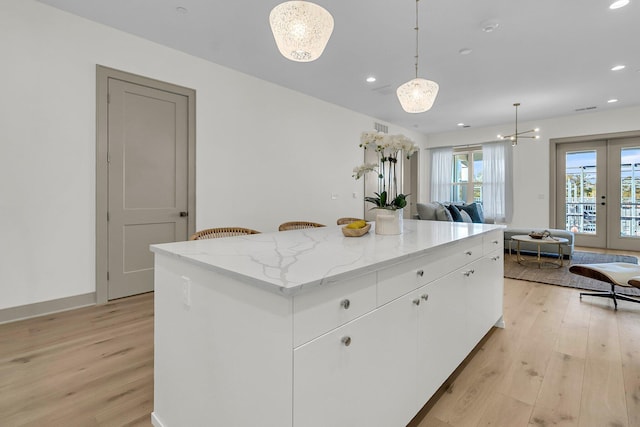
{"points": [[359, 349], [361, 374], [381, 368]]}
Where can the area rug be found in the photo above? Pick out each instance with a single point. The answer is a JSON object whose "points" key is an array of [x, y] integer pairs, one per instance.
{"points": [[562, 277]]}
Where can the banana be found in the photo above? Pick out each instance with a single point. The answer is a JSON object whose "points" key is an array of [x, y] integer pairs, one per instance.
{"points": [[357, 224]]}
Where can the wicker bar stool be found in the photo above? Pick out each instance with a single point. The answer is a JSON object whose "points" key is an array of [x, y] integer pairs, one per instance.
{"points": [[298, 225], [214, 233], [347, 220]]}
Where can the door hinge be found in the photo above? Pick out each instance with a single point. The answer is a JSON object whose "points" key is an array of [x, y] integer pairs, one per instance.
{"points": [[107, 275], [108, 157], [108, 216], [108, 98]]}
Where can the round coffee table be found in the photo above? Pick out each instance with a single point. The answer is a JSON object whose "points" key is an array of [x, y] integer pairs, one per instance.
{"points": [[539, 242]]}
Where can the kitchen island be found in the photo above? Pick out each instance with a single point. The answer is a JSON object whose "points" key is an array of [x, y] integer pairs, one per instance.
{"points": [[309, 328]]}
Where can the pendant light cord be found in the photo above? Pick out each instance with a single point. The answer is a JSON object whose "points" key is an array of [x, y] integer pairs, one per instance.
{"points": [[417, 28]]}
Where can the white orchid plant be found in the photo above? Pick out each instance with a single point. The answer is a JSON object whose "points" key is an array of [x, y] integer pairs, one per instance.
{"points": [[388, 148]]}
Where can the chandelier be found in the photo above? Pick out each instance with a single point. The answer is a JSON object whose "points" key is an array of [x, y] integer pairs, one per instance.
{"points": [[301, 29], [522, 134], [417, 95]]}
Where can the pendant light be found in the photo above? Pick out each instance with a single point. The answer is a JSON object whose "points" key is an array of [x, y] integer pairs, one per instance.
{"points": [[522, 134], [301, 29], [417, 95]]}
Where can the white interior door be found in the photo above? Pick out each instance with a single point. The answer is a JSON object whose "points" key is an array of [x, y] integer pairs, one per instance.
{"points": [[147, 181]]}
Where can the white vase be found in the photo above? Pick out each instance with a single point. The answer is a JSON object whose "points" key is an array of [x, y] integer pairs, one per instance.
{"points": [[389, 221]]}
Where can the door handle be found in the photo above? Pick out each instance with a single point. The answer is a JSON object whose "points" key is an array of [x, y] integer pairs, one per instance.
{"points": [[183, 214]]}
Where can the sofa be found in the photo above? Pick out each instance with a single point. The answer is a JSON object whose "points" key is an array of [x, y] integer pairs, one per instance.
{"points": [[567, 248], [456, 212], [445, 211]]}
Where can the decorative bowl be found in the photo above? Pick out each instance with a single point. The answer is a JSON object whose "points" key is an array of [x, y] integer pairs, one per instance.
{"points": [[539, 234], [356, 232]]}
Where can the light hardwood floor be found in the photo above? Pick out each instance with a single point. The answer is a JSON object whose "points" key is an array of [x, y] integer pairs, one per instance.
{"points": [[558, 362]]}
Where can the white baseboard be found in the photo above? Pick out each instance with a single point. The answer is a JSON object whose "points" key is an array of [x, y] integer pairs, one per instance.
{"points": [[155, 421], [13, 314]]}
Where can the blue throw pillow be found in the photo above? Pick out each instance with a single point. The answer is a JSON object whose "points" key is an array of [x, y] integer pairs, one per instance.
{"points": [[455, 213], [475, 212]]}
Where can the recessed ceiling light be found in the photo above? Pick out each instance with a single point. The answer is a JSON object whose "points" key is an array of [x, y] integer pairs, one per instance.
{"points": [[618, 68], [181, 10], [465, 51], [489, 26], [371, 79], [618, 4], [611, 101], [460, 124]]}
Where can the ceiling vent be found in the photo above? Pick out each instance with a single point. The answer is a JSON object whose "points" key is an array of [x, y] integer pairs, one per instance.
{"points": [[586, 108], [379, 127], [384, 90]]}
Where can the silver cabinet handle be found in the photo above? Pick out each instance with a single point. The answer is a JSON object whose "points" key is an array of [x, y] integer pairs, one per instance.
{"points": [[495, 242], [345, 303], [420, 273], [468, 273], [468, 253], [416, 301], [495, 258], [346, 341], [425, 297]]}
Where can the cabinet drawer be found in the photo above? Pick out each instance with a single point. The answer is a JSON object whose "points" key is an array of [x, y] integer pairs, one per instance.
{"points": [[326, 308], [397, 280], [492, 241]]}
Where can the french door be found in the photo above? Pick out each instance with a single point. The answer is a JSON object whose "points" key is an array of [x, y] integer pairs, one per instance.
{"points": [[598, 192]]}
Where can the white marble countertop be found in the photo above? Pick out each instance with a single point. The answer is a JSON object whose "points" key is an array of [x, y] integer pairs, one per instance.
{"points": [[287, 262]]}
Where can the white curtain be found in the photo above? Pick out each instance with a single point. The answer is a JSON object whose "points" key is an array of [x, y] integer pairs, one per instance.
{"points": [[441, 173], [497, 181]]}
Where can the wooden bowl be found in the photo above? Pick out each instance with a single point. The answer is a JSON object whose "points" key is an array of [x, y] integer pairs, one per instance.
{"points": [[356, 232]]}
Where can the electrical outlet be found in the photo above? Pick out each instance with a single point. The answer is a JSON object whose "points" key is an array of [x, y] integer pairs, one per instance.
{"points": [[186, 291]]}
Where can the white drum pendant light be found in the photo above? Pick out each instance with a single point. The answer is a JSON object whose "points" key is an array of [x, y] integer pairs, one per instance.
{"points": [[301, 29], [417, 95]]}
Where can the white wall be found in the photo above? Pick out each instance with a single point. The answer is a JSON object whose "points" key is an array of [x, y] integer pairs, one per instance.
{"points": [[531, 157], [265, 154]]}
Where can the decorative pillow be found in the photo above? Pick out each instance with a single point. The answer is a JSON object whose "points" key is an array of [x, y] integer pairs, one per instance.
{"points": [[474, 210], [427, 210], [442, 213], [465, 216], [455, 213]]}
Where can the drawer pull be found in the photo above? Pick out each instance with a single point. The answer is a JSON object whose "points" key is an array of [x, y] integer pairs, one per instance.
{"points": [[468, 253], [425, 297], [420, 273], [468, 273], [346, 341], [495, 242], [345, 303], [416, 301], [495, 258]]}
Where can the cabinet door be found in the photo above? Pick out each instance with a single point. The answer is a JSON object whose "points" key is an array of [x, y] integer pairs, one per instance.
{"points": [[442, 342], [484, 291], [360, 374]]}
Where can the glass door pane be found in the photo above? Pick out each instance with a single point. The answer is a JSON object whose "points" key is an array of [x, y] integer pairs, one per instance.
{"points": [[630, 192], [581, 180]]}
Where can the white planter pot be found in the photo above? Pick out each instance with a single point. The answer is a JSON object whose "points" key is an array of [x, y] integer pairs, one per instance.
{"points": [[389, 221]]}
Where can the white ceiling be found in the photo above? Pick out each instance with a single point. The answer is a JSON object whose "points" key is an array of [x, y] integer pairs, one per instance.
{"points": [[552, 56]]}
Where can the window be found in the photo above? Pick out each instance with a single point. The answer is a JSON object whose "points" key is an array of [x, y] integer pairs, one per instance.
{"points": [[467, 175]]}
